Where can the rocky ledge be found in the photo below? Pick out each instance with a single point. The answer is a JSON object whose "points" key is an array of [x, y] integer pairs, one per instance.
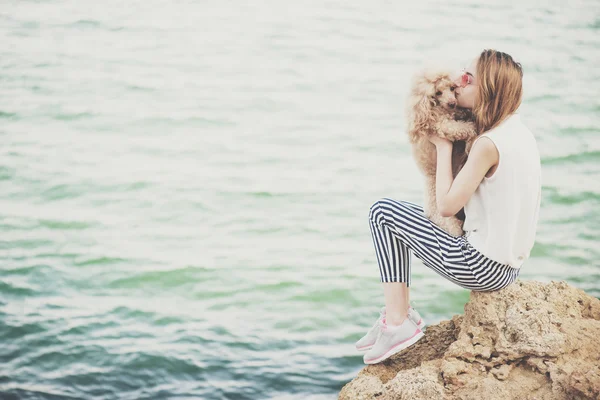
{"points": [[529, 341]]}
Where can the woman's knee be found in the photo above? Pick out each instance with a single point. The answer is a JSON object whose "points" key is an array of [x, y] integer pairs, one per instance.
{"points": [[385, 210], [376, 211]]}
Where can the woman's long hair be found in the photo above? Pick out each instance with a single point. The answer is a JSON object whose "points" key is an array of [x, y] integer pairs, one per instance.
{"points": [[500, 89]]}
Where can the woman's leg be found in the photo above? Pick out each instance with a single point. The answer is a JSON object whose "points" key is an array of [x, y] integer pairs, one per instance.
{"points": [[398, 229], [394, 266], [396, 302]]}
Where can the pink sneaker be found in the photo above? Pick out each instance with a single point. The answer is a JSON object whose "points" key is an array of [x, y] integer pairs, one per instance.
{"points": [[393, 339], [367, 341]]}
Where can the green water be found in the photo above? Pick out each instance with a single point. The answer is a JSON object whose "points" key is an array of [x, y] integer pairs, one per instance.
{"points": [[184, 186]]}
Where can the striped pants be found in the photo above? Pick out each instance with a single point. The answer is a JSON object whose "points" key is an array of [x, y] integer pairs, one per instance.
{"points": [[401, 227]]}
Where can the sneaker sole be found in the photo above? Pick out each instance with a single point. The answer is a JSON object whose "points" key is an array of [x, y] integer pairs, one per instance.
{"points": [[420, 325], [398, 348]]}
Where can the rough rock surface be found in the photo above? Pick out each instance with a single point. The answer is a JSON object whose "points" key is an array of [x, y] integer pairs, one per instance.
{"points": [[528, 341]]}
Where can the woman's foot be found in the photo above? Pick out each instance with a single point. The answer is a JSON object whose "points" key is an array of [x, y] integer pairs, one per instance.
{"points": [[392, 339], [413, 315], [367, 341]]}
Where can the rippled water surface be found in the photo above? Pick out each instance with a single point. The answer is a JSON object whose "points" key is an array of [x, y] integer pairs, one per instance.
{"points": [[184, 186]]}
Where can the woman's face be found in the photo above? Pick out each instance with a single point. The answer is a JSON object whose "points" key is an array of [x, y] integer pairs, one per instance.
{"points": [[467, 86]]}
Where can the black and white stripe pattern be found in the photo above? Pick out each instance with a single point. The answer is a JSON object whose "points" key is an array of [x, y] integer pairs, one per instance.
{"points": [[401, 227]]}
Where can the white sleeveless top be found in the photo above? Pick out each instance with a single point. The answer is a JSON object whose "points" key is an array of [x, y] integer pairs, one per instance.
{"points": [[502, 214]]}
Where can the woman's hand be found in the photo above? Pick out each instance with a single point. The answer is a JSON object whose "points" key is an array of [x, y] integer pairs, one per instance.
{"points": [[439, 141]]}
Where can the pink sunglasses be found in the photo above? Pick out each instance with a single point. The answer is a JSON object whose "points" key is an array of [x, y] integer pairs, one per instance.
{"points": [[465, 79]]}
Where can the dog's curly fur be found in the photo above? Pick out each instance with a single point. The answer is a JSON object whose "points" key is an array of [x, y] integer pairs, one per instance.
{"points": [[432, 110]]}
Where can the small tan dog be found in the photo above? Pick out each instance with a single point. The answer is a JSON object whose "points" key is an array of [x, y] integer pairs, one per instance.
{"points": [[432, 110]]}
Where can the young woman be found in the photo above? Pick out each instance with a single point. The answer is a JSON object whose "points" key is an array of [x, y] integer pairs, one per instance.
{"points": [[500, 190]]}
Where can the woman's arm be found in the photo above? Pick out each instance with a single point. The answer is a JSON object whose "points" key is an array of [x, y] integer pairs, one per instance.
{"points": [[452, 194]]}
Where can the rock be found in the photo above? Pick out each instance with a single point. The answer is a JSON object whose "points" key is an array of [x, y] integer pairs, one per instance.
{"points": [[528, 341]]}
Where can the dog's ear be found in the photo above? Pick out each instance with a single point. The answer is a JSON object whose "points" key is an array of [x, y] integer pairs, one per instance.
{"points": [[419, 115], [422, 108]]}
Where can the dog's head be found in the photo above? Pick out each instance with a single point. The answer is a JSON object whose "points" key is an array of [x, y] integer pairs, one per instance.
{"points": [[434, 88], [431, 94]]}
